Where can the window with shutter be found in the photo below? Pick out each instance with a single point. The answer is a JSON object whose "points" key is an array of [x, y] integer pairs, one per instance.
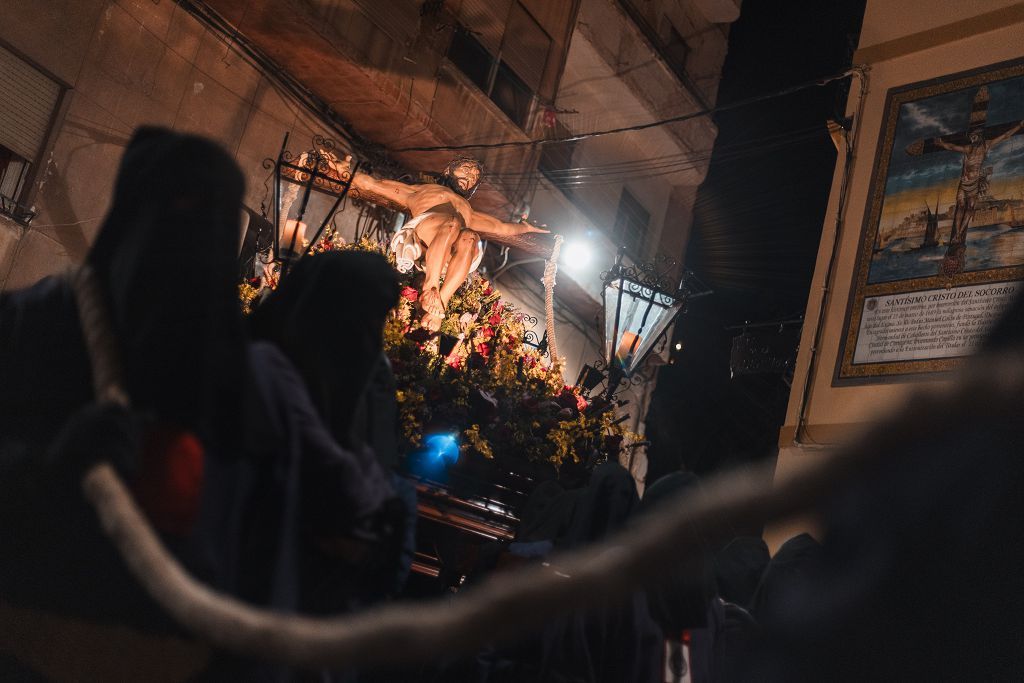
{"points": [[631, 224], [28, 99], [677, 50], [501, 48], [486, 20], [525, 48], [472, 58], [512, 95]]}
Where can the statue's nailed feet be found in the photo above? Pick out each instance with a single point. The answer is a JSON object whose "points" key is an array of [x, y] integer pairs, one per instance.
{"points": [[433, 309], [431, 322]]}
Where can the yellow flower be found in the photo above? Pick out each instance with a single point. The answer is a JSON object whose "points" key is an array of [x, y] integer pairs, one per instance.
{"points": [[247, 294], [474, 438]]}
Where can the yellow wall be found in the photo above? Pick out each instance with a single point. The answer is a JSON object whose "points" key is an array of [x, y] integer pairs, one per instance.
{"points": [[902, 42], [888, 20]]}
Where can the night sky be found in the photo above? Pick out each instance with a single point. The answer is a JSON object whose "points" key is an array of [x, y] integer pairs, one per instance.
{"points": [[758, 221]]}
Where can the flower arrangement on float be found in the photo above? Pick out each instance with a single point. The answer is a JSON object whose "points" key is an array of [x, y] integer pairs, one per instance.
{"points": [[476, 378]]}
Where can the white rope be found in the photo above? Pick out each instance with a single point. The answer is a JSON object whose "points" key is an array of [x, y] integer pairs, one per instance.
{"points": [[514, 603], [550, 270], [104, 356]]}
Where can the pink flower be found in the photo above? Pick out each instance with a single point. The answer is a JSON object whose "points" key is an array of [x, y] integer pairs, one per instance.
{"points": [[568, 398], [410, 294], [486, 332]]}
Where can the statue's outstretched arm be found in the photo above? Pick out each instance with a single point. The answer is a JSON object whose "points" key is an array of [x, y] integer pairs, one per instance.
{"points": [[376, 190], [489, 224]]}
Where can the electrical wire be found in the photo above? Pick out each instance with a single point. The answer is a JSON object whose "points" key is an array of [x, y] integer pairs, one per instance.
{"points": [[618, 172], [726, 151], [816, 83], [598, 175], [801, 437], [563, 178]]}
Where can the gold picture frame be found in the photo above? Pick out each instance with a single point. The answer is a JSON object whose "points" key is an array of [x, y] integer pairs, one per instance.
{"points": [[942, 243]]}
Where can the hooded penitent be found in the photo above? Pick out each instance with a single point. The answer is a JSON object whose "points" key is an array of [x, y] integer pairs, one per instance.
{"points": [[327, 316], [738, 569], [166, 259], [163, 260], [611, 641], [680, 602]]}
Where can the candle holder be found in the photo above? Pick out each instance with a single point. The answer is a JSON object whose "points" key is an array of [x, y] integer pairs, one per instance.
{"points": [[640, 305], [319, 169]]}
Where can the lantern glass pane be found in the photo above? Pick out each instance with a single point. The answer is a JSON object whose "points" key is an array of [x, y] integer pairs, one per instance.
{"points": [[643, 315], [611, 300], [317, 207], [303, 216]]}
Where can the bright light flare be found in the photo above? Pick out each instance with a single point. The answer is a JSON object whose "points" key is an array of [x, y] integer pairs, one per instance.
{"points": [[577, 253]]}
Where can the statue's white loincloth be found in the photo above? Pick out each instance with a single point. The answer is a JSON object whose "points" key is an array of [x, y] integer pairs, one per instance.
{"points": [[408, 248]]}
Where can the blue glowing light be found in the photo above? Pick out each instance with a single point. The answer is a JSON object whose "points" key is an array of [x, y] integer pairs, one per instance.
{"points": [[442, 447]]}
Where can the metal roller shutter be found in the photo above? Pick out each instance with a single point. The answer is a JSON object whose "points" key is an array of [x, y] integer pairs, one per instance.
{"points": [[27, 100]]}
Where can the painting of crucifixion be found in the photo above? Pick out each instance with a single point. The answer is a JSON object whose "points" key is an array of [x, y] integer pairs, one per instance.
{"points": [[953, 199], [942, 244]]}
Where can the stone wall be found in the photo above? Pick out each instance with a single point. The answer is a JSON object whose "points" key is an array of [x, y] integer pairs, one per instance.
{"points": [[129, 63]]}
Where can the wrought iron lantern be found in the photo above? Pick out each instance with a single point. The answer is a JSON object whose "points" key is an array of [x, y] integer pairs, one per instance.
{"points": [[590, 376], [640, 304], [318, 170], [530, 337]]}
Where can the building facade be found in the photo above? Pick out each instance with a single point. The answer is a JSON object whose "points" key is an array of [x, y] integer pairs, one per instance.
{"points": [[385, 80], [901, 45]]}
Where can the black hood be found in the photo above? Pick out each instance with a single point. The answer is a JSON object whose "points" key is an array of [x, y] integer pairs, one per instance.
{"points": [[165, 257], [327, 316]]}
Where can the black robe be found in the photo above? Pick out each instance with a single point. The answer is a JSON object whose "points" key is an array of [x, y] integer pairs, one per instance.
{"points": [[609, 641], [922, 561], [163, 263]]}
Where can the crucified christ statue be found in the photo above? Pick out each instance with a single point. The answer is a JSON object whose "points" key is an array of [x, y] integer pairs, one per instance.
{"points": [[440, 230]]}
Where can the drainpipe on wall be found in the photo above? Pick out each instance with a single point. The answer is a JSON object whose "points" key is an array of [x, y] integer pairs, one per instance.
{"points": [[861, 72]]}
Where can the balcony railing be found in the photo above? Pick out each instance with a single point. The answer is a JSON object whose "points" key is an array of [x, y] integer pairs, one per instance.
{"points": [[15, 211]]}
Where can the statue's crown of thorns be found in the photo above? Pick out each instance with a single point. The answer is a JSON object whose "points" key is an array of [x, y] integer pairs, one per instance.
{"points": [[463, 160]]}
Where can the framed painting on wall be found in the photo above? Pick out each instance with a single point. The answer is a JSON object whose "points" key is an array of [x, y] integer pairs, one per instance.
{"points": [[942, 245]]}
